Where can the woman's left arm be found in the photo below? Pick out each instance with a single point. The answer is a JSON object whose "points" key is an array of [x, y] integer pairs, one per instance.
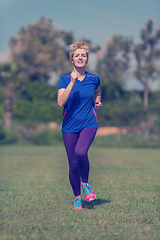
{"points": [[97, 94]]}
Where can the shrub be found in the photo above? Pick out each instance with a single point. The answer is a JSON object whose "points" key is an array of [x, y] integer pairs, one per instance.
{"points": [[2, 94], [2, 101], [130, 140], [120, 114], [36, 91], [8, 136], [41, 111], [2, 133], [46, 137]]}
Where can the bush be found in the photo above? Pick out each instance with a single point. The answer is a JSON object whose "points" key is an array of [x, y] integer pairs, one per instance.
{"points": [[46, 137], [2, 101], [130, 140], [2, 94], [111, 91], [36, 91], [41, 111], [8, 136], [2, 133], [120, 114]]}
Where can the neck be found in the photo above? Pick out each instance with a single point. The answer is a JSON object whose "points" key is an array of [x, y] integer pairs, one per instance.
{"points": [[80, 71]]}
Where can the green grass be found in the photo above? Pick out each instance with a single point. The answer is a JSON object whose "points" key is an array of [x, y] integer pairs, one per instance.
{"points": [[36, 197]]}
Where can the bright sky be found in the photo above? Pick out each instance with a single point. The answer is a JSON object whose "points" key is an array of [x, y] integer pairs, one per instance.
{"points": [[95, 20]]}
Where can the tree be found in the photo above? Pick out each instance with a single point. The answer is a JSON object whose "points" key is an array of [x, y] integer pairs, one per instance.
{"points": [[7, 76], [147, 55], [93, 48], [115, 59], [36, 52]]}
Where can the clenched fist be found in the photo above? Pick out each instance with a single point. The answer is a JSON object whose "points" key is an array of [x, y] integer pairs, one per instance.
{"points": [[74, 75]]}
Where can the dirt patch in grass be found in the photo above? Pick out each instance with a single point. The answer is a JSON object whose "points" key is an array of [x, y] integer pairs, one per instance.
{"points": [[109, 130]]}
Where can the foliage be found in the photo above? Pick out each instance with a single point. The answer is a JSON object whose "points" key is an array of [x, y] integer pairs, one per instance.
{"points": [[111, 91], [2, 101], [2, 133], [40, 111], [119, 113], [8, 136], [147, 55], [38, 104], [67, 37], [7, 73], [45, 137], [40, 48], [92, 48], [122, 109], [8, 76], [114, 61], [2, 94], [36, 197], [36, 91], [36, 52], [129, 140]]}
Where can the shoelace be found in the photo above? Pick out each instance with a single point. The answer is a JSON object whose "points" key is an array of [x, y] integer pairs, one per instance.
{"points": [[77, 202], [88, 189]]}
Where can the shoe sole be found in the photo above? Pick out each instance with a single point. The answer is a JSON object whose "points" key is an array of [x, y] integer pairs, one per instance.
{"points": [[91, 199], [78, 208]]}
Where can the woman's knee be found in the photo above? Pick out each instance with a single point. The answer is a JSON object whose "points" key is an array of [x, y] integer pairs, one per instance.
{"points": [[80, 154]]}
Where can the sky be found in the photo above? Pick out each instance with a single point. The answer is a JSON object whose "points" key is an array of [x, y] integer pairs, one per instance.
{"points": [[96, 20]]}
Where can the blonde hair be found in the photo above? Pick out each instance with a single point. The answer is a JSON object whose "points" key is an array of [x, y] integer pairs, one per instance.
{"points": [[78, 45]]}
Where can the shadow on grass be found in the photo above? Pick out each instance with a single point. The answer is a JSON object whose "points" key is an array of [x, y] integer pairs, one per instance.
{"points": [[93, 204]]}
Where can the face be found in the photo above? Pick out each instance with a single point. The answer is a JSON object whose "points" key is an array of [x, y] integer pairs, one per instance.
{"points": [[80, 58]]}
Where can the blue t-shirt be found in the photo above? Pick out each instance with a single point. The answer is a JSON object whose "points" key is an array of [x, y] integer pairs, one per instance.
{"points": [[79, 111]]}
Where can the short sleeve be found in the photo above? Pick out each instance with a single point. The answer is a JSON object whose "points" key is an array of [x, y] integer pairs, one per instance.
{"points": [[97, 82], [62, 83]]}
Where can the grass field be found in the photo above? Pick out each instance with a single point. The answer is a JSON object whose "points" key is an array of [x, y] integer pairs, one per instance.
{"points": [[36, 197]]}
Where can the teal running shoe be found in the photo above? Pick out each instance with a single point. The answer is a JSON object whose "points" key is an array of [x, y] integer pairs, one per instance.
{"points": [[89, 194], [77, 203]]}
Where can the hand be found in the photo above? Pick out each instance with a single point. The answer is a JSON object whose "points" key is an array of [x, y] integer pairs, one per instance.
{"points": [[98, 104], [74, 75]]}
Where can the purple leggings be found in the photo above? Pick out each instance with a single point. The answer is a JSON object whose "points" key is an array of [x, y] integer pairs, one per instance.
{"points": [[77, 146]]}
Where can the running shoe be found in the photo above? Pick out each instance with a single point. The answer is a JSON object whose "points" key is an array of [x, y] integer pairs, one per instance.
{"points": [[77, 203], [89, 194]]}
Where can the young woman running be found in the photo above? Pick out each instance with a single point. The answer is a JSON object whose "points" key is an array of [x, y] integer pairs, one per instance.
{"points": [[76, 93]]}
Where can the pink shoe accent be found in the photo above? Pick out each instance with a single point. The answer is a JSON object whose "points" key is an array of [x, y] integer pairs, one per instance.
{"points": [[90, 197], [77, 207], [89, 194], [77, 203]]}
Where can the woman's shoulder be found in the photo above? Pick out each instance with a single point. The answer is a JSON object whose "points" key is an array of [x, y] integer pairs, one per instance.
{"points": [[64, 80], [66, 75], [91, 75]]}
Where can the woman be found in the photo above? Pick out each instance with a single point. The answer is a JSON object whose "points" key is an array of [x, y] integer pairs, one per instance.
{"points": [[76, 92]]}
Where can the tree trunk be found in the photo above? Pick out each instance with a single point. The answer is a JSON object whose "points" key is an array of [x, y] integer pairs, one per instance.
{"points": [[8, 105], [146, 93]]}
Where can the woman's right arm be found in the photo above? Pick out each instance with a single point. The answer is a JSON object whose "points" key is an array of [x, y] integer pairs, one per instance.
{"points": [[64, 93]]}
